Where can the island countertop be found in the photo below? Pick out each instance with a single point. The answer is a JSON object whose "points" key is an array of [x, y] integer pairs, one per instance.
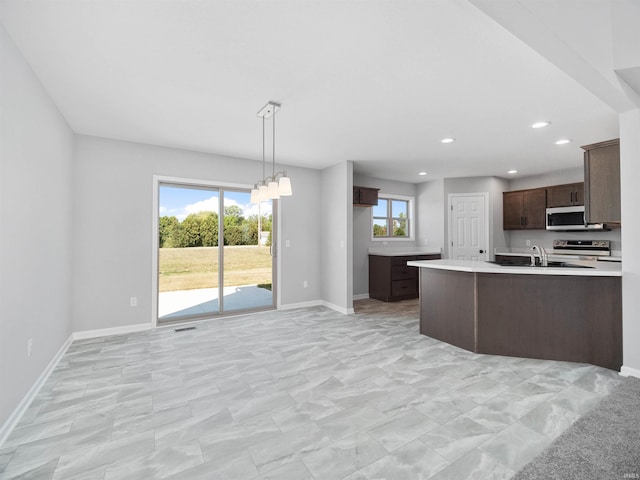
{"points": [[600, 269]]}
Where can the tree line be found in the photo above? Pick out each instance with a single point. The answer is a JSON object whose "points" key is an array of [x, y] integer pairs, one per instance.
{"points": [[201, 229], [398, 227]]}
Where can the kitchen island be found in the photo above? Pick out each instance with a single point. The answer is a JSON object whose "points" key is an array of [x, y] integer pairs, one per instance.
{"points": [[569, 314]]}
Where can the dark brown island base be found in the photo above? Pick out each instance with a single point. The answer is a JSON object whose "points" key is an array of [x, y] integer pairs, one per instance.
{"points": [[567, 314]]}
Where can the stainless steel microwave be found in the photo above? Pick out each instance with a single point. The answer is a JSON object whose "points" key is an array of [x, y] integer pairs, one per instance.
{"points": [[569, 218]]}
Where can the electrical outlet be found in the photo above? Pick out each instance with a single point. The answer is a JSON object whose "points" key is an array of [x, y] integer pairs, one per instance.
{"points": [[528, 243], [305, 284], [287, 243], [133, 301], [29, 347]]}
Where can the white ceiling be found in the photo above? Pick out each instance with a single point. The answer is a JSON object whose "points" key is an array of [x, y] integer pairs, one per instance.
{"points": [[378, 82]]}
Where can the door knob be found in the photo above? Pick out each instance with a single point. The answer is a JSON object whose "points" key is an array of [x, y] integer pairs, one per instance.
{"points": [[481, 250]]}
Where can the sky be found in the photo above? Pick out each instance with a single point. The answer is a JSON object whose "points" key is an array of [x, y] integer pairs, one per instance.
{"points": [[181, 201]]}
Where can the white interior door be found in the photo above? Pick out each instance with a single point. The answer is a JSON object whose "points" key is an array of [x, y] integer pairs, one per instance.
{"points": [[469, 226]]}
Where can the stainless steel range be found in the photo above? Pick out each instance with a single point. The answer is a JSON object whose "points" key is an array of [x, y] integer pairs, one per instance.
{"points": [[590, 248]]}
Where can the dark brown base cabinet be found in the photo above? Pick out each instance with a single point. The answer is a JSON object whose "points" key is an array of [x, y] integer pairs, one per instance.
{"points": [[552, 317], [390, 279]]}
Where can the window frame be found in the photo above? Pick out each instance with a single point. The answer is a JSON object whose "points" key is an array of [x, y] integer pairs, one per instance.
{"points": [[410, 218]]}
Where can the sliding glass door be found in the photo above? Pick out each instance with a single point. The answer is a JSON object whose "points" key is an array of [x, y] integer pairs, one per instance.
{"points": [[214, 254]]}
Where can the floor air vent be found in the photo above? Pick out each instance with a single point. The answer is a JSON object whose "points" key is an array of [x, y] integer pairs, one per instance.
{"points": [[184, 329]]}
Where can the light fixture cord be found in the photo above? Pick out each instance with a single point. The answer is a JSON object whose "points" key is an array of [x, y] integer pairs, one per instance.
{"points": [[273, 173], [263, 150]]}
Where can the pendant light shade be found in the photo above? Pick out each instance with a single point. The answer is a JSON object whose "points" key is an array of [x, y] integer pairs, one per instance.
{"points": [[263, 193], [284, 186], [273, 190], [278, 184], [254, 194]]}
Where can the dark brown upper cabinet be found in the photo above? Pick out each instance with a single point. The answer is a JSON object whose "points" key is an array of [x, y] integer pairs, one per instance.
{"points": [[602, 182], [565, 195], [524, 209], [365, 196]]}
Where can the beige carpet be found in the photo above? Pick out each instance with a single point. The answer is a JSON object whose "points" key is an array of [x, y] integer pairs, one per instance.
{"points": [[603, 444]]}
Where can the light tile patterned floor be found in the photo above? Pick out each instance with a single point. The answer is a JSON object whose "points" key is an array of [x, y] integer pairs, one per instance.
{"points": [[299, 394]]}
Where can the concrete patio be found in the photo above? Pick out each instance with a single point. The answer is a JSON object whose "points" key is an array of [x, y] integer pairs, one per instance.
{"points": [[172, 305]]}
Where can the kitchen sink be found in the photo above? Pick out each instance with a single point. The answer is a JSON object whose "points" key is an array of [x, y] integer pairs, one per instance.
{"points": [[527, 264]]}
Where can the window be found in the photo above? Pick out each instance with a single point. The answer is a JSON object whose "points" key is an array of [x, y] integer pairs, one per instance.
{"points": [[392, 218]]}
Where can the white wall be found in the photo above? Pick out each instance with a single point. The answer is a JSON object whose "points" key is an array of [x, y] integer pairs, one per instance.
{"points": [[113, 226], [336, 249], [494, 186], [559, 177], [430, 200], [300, 220], [630, 179], [362, 229], [36, 150]]}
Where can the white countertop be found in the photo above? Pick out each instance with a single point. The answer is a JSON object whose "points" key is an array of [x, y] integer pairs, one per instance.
{"points": [[611, 258], [601, 269], [403, 254]]}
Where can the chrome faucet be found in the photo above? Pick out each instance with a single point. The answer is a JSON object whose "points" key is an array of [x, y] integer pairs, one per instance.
{"points": [[542, 253]]}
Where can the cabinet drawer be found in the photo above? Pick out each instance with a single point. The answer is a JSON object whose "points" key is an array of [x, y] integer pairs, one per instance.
{"points": [[402, 261], [403, 272], [435, 256], [404, 287]]}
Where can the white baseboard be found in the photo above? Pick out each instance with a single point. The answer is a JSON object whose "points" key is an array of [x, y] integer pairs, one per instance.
{"points": [[317, 303], [22, 407], [291, 306], [361, 296], [337, 308], [629, 372], [104, 332]]}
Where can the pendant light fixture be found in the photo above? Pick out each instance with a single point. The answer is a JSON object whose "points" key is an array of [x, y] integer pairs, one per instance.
{"points": [[278, 184]]}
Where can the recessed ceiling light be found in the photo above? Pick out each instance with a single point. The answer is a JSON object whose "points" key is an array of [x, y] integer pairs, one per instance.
{"points": [[448, 140], [512, 172], [540, 124], [563, 141], [422, 173]]}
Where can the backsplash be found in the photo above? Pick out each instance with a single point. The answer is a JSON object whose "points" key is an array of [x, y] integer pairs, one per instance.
{"points": [[517, 239]]}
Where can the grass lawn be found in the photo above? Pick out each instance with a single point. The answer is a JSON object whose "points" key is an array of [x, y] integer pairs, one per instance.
{"points": [[197, 267]]}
